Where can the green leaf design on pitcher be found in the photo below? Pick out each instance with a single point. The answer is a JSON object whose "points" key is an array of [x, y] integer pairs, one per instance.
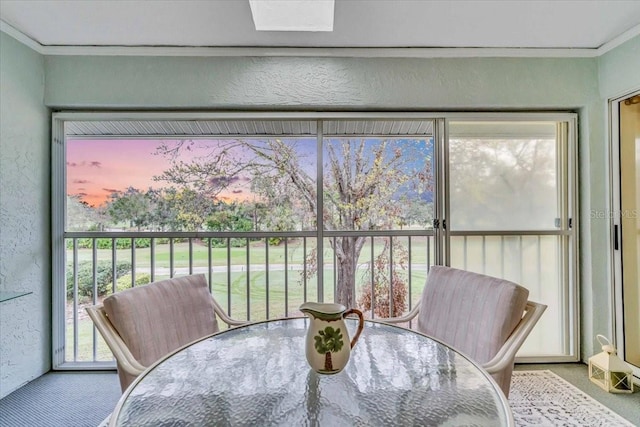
{"points": [[328, 341]]}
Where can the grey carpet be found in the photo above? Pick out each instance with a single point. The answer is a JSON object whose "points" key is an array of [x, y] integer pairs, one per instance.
{"points": [[62, 399]]}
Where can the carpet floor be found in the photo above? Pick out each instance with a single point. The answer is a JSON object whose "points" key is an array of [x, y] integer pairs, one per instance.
{"points": [[62, 399]]}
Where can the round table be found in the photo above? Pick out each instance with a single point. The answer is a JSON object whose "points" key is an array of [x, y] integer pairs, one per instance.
{"points": [[257, 375]]}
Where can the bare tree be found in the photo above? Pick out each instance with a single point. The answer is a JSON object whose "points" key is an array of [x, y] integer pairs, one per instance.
{"points": [[365, 183]]}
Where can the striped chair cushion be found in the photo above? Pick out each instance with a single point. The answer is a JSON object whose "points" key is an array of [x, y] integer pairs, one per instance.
{"points": [[158, 318], [471, 312]]}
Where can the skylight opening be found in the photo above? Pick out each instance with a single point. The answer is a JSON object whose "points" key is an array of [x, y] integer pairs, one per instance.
{"points": [[292, 15]]}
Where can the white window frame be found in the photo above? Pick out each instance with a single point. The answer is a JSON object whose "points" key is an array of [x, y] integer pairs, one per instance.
{"points": [[440, 134]]}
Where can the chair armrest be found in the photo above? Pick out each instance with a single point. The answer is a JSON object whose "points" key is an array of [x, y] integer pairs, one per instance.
{"points": [[222, 315], [117, 346], [504, 357], [403, 319]]}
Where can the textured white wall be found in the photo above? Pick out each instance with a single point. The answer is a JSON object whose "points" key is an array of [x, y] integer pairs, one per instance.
{"points": [[619, 69], [319, 83], [25, 329], [618, 75]]}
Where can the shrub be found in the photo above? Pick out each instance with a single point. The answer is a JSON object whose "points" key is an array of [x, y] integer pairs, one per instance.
{"points": [[104, 277], [121, 243], [124, 282], [234, 242], [275, 241], [381, 298]]}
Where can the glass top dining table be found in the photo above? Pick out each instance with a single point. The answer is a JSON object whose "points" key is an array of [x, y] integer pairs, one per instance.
{"points": [[258, 375]]}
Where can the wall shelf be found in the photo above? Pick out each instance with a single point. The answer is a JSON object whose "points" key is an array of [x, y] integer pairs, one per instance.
{"points": [[6, 296]]}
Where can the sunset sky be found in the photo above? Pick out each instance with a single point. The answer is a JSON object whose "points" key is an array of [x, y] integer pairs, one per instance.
{"points": [[97, 168]]}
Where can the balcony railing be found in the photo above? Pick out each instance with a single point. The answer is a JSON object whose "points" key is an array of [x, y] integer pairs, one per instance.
{"points": [[255, 276], [259, 276]]}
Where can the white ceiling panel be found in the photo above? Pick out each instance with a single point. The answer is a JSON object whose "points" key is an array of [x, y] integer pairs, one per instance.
{"points": [[358, 23]]}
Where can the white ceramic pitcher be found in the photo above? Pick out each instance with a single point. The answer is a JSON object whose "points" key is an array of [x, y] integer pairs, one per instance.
{"points": [[327, 344]]}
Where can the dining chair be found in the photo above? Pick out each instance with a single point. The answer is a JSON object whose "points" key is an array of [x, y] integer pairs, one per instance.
{"points": [[481, 316], [142, 324]]}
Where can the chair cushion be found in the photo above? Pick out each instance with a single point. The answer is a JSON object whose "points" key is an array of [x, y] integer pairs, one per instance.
{"points": [[471, 312], [158, 318]]}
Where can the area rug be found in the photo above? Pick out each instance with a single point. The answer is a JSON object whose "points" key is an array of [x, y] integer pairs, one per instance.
{"points": [[542, 398]]}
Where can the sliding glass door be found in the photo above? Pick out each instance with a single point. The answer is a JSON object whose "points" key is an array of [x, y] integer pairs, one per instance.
{"points": [[510, 215]]}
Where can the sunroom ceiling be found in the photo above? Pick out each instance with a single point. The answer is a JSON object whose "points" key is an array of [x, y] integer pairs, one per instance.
{"points": [[231, 128], [535, 24]]}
